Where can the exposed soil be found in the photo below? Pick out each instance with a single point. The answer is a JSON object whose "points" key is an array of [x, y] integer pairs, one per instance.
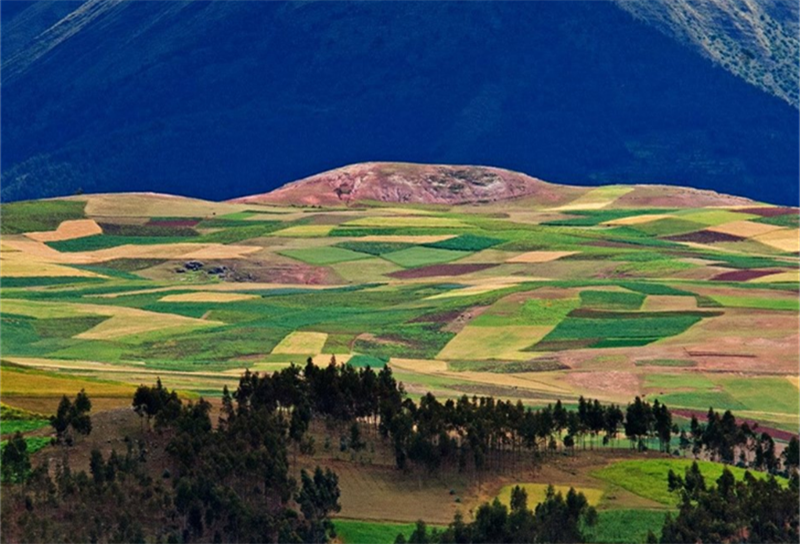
{"points": [[743, 275], [409, 183], [770, 212], [705, 237]]}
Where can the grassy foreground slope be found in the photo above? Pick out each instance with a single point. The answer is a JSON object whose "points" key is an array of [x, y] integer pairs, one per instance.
{"points": [[608, 292]]}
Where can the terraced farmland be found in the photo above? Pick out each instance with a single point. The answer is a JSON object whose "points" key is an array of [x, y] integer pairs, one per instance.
{"points": [[584, 294]]}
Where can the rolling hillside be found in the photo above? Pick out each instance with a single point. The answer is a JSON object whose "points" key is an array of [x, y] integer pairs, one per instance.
{"points": [[557, 292]]}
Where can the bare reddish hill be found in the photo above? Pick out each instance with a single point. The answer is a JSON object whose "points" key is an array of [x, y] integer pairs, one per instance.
{"points": [[408, 183]]}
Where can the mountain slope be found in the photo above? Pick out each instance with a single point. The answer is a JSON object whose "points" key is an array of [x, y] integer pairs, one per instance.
{"points": [[219, 99], [757, 41]]}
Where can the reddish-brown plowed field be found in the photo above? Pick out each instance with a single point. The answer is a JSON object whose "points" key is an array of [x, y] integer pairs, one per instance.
{"points": [[705, 237], [769, 212], [743, 275], [701, 417], [439, 270]]}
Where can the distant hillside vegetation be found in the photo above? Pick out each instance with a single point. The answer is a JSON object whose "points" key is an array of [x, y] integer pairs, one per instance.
{"points": [[757, 41]]}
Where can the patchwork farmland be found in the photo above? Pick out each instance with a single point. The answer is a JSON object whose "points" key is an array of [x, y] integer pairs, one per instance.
{"points": [[582, 295], [606, 293]]}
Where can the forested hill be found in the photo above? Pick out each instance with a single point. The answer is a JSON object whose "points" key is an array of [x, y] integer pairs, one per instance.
{"points": [[223, 99]]}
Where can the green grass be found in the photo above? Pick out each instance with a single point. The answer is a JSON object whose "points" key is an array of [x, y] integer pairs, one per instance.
{"points": [[466, 242], [39, 215], [763, 394], [22, 425], [352, 531], [655, 289], [625, 526], [361, 361], [421, 256], [533, 311], [648, 477], [35, 443], [655, 268], [714, 217], [115, 229], [374, 248], [785, 304], [611, 326], [668, 227], [45, 281], [702, 400], [323, 255], [103, 241], [589, 218], [611, 300], [65, 327], [684, 380], [788, 220]]}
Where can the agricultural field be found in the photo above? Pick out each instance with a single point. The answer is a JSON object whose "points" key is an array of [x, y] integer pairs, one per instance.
{"points": [[590, 297]]}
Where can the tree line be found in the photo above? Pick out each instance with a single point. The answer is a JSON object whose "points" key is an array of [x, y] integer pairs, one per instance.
{"points": [[231, 482], [484, 433]]}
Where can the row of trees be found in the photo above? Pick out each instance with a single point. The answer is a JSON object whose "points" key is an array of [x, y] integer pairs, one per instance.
{"points": [[474, 432], [726, 441], [556, 519], [750, 510]]}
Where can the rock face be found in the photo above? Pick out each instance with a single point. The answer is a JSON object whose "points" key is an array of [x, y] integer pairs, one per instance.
{"points": [[408, 183]]}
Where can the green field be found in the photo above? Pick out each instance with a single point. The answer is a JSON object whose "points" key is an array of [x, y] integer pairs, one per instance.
{"points": [[352, 531], [625, 526], [648, 478]]}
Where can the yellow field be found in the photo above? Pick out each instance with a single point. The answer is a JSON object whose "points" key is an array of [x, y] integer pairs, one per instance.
{"points": [[153, 205], [784, 239], [540, 256], [745, 229], [638, 219], [597, 198], [420, 239], [302, 343], [538, 492], [779, 277], [206, 296], [794, 380], [476, 343], [39, 252], [37, 384], [68, 230], [18, 265], [305, 231], [422, 366]]}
